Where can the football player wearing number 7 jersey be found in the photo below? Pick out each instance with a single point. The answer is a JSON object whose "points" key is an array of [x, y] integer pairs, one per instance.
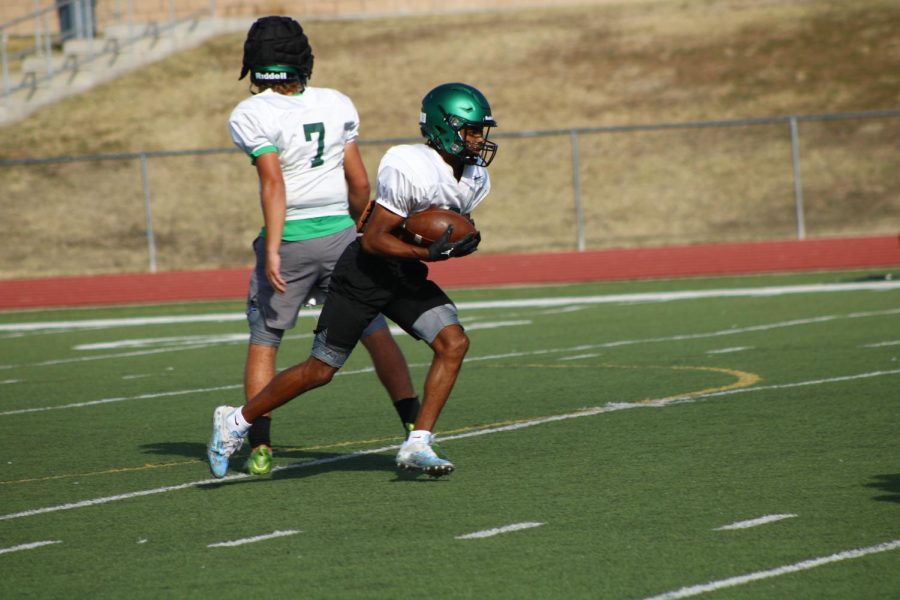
{"points": [[313, 186], [382, 273]]}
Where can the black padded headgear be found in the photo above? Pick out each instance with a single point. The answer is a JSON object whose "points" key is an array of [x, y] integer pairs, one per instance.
{"points": [[277, 41]]}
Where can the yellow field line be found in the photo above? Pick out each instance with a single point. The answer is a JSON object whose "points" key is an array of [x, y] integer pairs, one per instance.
{"points": [[146, 467], [743, 379]]}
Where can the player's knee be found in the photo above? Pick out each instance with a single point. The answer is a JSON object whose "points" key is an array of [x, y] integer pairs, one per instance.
{"points": [[452, 343], [318, 372], [260, 333], [433, 322]]}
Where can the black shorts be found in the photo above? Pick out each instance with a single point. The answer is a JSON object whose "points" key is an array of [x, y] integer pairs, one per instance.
{"points": [[362, 285]]}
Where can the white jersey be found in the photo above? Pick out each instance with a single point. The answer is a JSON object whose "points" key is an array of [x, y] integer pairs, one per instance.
{"points": [[309, 132], [414, 177]]}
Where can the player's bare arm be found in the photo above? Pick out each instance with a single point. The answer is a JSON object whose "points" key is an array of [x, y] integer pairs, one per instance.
{"points": [[358, 187], [379, 239], [274, 207]]}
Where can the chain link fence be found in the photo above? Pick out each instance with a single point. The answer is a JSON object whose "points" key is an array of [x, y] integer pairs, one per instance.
{"points": [[829, 175]]}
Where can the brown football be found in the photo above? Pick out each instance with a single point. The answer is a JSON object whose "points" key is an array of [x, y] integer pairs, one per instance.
{"points": [[424, 227]]}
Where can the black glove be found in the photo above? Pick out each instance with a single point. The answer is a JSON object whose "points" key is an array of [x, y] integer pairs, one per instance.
{"points": [[442, 248], [468, 244]]}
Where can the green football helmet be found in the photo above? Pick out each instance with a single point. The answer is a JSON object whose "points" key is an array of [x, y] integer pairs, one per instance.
{"points": [[451, 107]]}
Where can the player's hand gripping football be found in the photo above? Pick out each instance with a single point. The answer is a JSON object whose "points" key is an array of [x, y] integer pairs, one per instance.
{"points": [[442, 248]]}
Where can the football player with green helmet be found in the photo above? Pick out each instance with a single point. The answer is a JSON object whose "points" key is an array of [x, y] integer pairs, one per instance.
{"points": [[382, 273], [302, 141], [450, 108]]}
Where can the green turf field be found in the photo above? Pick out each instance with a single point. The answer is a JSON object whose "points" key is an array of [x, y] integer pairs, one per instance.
{"points": [[731, 437]]}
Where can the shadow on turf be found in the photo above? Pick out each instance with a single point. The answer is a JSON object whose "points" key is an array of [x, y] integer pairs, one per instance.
{"points": [[186, 449], [363, 462], [889, 484]]}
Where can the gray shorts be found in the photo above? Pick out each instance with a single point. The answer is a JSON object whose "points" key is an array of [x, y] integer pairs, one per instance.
{"points": [[306, 268]]}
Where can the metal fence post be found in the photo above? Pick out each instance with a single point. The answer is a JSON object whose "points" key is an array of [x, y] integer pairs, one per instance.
{"points": [[576, 185], [130, 9], [798, 181], [148, 213], [77, 9], [90, 17]]}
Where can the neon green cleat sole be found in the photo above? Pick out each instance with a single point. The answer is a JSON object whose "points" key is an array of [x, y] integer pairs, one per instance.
{"points": [[260, 461]]}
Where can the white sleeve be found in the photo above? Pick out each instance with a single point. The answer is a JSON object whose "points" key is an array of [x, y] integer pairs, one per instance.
{"points": [[351, 124], [482, 192], [394, 191], [248, 133]]}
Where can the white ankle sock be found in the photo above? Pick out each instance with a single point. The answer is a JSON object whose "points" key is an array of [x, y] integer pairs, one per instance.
{"points": [[237, 420], [419, 435]]}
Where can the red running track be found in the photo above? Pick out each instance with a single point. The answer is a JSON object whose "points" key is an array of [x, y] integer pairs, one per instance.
{"points": [[483, 270]]}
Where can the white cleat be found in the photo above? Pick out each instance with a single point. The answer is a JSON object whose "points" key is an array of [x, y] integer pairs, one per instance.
{"points": [[223, 443], [419, 456]]}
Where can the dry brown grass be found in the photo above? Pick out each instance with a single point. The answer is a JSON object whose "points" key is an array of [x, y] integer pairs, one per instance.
{"points": [[627, 63]]}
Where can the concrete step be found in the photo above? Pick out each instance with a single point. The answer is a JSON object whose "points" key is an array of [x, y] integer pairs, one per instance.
{"points": [[64, 71], [153, 29], [84, 63], [43, 65]]}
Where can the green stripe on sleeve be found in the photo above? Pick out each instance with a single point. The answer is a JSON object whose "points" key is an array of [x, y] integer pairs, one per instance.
{"points": [[264, 150]]}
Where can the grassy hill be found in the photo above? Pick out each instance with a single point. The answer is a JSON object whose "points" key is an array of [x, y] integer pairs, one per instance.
{"points": [[617, 64]]}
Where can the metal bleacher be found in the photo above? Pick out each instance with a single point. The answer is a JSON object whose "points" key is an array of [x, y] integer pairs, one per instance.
{"points": [[42, 63]]}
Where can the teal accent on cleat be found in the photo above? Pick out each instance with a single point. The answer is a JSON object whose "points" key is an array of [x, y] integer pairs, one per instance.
{"points": [[420, 456], [260, 461], [438, 450], [223, 442]]}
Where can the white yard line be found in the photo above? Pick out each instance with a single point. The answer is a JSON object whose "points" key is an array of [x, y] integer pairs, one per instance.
{"points": [[494, 304], [468, 360], [729, 350], [580, 356], [755, 522], [500, 304], [77, 359], [123, 322], [787, 386], [120, 399], [712, 586], [497, 530], [883, 344], [28, 546], [255, 538], [166, 342], [687, 295], [221, 388], [476, 326], [173, 346], [587, 412], [580, 349]]}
